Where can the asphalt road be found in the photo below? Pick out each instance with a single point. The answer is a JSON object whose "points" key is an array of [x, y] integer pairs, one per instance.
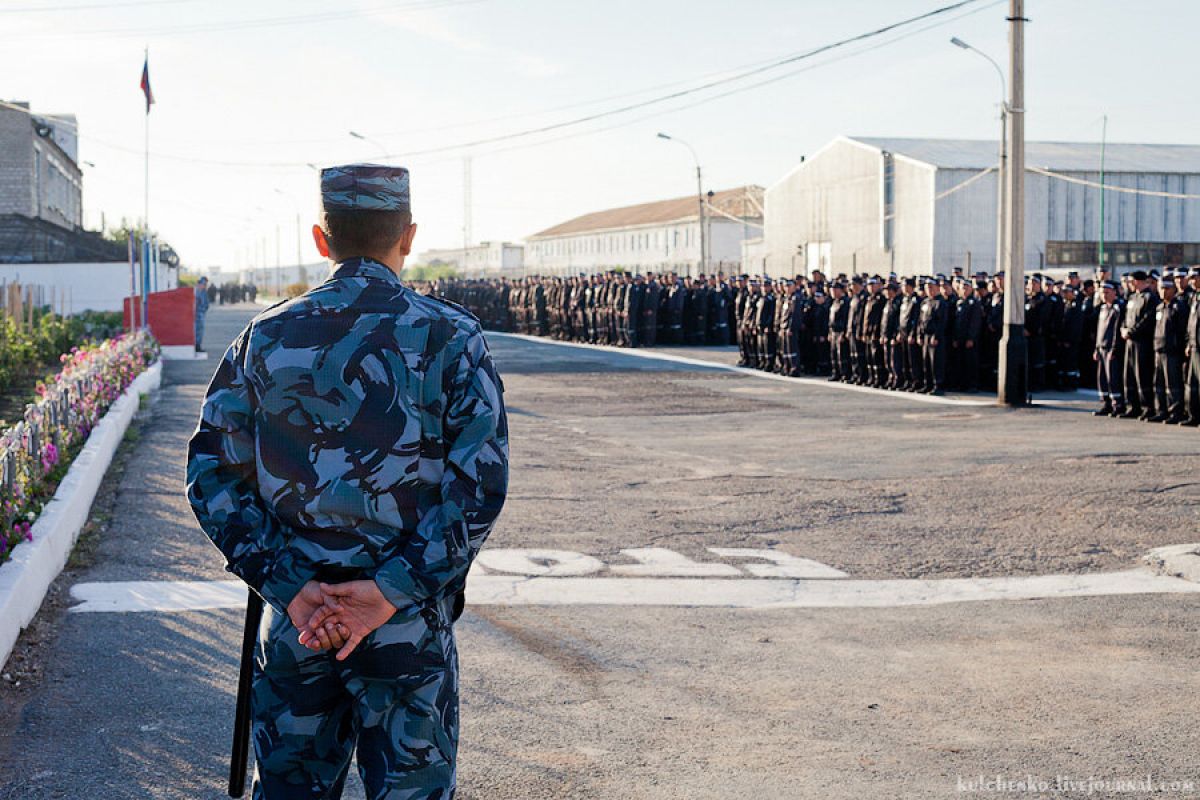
{"points": [[612, 452]]}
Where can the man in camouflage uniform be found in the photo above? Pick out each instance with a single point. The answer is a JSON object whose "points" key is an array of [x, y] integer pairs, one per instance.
{"points": [[350, 460]]}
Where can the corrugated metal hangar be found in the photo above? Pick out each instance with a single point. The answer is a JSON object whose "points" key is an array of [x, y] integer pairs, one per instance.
{"points": [[921, 206]]}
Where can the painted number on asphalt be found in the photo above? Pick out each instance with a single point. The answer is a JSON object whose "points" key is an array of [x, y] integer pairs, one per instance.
{"points": [[653, 562]]}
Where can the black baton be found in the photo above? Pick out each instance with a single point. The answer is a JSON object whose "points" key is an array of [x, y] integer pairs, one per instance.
{"points": [[241, 718]]}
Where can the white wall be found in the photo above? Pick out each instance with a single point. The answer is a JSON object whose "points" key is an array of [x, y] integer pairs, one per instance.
{"points": [[98, 287], [673, 246], [832, 197]]}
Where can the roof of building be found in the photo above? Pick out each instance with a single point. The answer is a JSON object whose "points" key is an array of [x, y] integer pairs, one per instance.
{"points": [[743, 202], [1061, 156]]}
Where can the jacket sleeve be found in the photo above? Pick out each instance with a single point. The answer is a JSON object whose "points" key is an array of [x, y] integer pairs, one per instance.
{"points": [[1144, 323], [222, 487], [473, 487]]}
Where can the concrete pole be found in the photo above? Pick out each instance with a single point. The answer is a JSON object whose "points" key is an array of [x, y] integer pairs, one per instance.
{"points": [[703, 238], [1002, 193], [1013, 378]]}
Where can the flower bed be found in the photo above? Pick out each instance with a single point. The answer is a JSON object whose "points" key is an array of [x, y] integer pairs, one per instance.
{"points": [[36, 452]]}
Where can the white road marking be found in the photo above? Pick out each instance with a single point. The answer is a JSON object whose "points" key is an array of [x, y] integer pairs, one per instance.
{"points": [[782, 565], [548, 563], [512, 590], [699, 362], [159, 595], [661, 562]]}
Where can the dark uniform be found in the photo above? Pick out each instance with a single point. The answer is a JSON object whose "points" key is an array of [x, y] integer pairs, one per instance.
{"points": [[1109, 356], [1192, 395], [1170, 328], [872, 329], [856, 337], [968, 329], [839, 334], [935, 316], [1138, 332], [764, 322], [910, 320]]}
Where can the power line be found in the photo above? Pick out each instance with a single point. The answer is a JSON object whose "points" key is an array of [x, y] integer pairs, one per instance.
{"points": [[703, 87], [738, 76], [739, 89]]}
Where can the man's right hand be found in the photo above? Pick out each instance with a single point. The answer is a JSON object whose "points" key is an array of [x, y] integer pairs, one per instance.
{"points": [[302, 610]]}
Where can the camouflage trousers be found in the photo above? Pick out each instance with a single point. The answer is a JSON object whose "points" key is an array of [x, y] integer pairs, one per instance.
{"points": [[395, 700]]}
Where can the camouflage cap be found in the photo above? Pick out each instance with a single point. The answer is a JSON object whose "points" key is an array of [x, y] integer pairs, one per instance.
{"points": [[365, 187]]}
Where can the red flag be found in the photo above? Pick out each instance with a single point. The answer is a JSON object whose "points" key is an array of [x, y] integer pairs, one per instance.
{"points": [[146, 85]]}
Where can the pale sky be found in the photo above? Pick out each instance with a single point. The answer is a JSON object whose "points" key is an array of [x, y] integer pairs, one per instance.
{"points": [[244, 101]]}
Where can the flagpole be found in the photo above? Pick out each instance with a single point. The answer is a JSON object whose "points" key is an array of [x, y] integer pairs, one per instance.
{"points": [[146, 217]]}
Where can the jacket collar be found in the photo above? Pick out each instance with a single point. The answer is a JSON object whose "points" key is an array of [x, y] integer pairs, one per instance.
{"points": [[360, 267]]}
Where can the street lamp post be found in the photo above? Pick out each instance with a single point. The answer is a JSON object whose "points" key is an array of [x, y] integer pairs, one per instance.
{"points": [[1003, 164], [699, 199]]}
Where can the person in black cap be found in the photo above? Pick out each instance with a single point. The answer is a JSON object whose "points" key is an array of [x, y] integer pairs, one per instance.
{"points": [[741, 298], [1070, 339], [968, 327], [1138, 333], [933, 324], [817, 324], [910, 339], [1169, 346], [890, 339], [764, 322], [1109, 353], [1192, 352], [839, 334], [872, 329], [855, 336], [1035, 331]]}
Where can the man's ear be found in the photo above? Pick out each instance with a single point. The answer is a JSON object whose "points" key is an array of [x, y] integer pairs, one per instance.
{"points": [[406, 239], [320, 240]]}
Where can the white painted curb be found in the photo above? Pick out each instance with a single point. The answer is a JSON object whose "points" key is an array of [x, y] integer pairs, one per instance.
{"points": [[25, 578]]}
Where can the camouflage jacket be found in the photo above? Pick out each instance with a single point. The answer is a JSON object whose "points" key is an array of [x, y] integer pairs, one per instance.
{"points": [[355, 431]]}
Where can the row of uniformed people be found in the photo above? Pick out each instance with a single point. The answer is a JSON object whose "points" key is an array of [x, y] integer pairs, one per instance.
{"points": [[900, 334], [913, 334], [615, 308], [1147, 347]]}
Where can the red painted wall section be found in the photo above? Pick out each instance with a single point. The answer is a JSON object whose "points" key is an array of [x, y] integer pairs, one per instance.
{"points": [[172, 315]]}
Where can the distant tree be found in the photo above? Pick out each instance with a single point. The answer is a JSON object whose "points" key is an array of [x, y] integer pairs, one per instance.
{"points": [[429, 272], [120, 235]]}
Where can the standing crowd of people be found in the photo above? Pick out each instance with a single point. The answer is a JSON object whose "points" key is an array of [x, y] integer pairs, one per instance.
{"points": [[228, 293], [1135, 340]]}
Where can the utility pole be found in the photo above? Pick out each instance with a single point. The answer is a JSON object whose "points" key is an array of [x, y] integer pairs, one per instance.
{"points": [[699, 198], [467, 203], [1103, 145], [1013, 377], [703, 237]]}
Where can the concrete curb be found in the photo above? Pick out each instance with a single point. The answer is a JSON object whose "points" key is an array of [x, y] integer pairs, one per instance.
{"points": [[26, 577], [1180, 560]]}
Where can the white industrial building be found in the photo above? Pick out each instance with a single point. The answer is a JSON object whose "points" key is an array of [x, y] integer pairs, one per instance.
{"points": [[486, 258], [920, 206], [663, 236]]}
